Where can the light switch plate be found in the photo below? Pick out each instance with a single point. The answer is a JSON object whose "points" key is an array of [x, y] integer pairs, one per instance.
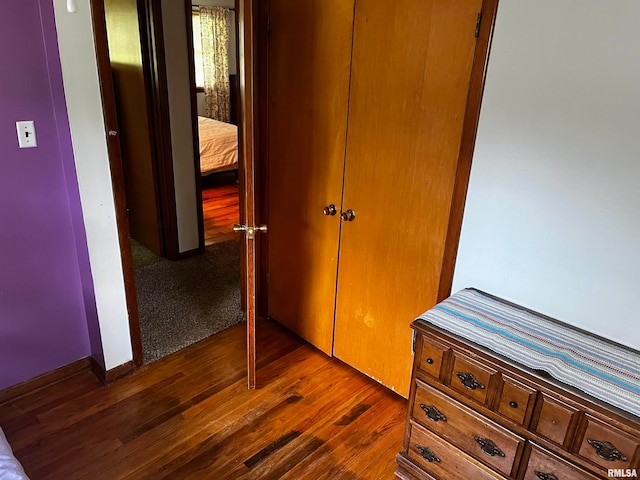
{"points": [[26, 134]]}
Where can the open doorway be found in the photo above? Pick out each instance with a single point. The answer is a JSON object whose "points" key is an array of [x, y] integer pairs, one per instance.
{"points": [[214, 58], [186, 300], [186, 288]]}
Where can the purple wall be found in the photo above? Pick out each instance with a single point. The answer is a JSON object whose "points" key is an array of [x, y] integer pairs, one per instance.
{"points": [[46, 293]]}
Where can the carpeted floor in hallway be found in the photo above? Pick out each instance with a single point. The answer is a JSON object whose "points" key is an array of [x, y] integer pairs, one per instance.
{"points": [[182, 302]]}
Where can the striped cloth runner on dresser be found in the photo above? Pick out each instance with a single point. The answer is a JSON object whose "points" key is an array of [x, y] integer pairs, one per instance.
{"points": [[603, 369]]}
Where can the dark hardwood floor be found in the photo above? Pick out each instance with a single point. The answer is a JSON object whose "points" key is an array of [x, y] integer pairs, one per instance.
{"points": [[220, 205], [190, 415]]}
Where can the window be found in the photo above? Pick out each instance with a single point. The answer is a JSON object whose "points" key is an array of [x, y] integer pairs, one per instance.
{"points": [[197, 49]]}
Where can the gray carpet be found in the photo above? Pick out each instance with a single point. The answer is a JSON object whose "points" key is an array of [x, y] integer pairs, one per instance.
{"points": [[182, 302], [141, 255]]}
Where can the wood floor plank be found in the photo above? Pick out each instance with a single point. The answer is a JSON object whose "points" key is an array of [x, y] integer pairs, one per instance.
{"points": [[216, 419], [323, 392], [346, 446], [75, 386], [190, 415], [154, 404], [329, 405], [384, 442], [316, 440], [220, 206], [341, 442]]}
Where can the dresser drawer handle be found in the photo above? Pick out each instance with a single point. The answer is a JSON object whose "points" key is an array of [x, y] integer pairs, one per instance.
{"points": [[427, 454], [469, 381], [433, 413], [546, 476], [606, 450], [489, 447], [429, 361], [513, 404]]}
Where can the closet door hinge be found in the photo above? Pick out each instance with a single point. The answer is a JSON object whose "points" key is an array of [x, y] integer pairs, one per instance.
{"points": [[478, 21]]}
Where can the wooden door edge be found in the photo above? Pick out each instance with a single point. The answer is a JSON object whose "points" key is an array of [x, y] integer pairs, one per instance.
{"points": [[467, 145], [246, 47], [241, 172], [262, 155], [156, 89], [117, 176], [194, 123]]}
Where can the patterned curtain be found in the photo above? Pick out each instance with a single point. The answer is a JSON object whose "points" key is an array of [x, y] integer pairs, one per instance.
{"points": [[215, 29]]}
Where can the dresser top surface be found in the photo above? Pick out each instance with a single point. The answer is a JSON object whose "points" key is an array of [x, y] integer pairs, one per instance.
{"points": [[598, 367]]}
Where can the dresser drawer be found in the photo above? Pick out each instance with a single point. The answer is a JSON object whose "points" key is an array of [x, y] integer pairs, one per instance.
{"points": [[544, 465], [486, 417], [472, 378], [608, 446], [431, 357], [443, 460], [476, 435], [556, 420], [516, 401]]}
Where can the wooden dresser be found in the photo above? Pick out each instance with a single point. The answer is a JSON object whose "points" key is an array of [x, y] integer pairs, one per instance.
{"points": [[477, 415]]}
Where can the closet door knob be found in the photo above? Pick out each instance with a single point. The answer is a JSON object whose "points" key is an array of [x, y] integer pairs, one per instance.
{"points": [[330, 210], [348, 216]]}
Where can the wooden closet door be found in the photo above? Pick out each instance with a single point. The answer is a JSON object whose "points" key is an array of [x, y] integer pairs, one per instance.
{"points": [[412, 64], [309, 66]]}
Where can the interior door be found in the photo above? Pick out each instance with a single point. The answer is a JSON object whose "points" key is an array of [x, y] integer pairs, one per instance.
{"points": [[412, 62], [308, 93], [109, 108], [136, 137], [246, 11]]}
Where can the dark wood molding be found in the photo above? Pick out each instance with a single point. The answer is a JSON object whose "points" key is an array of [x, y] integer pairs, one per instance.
{"points": [[46, 379], [117, 173], [194, 125], [259, 174], [467, 145], [109, 376], [241, 174], [233, 99], [262, 157], [154, 64], [247, 41]]}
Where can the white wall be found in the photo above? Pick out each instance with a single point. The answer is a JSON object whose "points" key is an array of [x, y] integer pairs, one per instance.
{"points": [[179, 89], [552, 220], [80, 76]]}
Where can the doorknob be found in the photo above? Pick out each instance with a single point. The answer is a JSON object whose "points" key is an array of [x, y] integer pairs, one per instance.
{"points": [[330, 210], [250, 231], [348, 216]]}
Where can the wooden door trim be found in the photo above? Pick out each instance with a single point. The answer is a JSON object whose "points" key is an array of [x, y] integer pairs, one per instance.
{"points": [[246, 46], [117, 174], [262, 157], [467, 145], [194, 122], [241, 181], [155, 78]]}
